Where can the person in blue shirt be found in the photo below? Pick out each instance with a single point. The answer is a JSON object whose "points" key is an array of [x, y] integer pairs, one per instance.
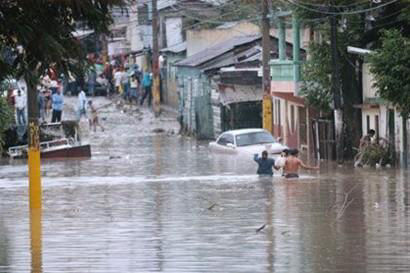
{"points": [[57, 103], [265, 164], [147, 83]]}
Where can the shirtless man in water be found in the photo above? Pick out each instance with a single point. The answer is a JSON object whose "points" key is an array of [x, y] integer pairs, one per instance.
{"points": [[293, 163]]}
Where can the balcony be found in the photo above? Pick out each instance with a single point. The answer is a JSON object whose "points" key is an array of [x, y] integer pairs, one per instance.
{"points": [[281, 70], [285, 75]]}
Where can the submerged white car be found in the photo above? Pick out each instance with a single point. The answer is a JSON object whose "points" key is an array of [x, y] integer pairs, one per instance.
{"points": [[247, 141]]}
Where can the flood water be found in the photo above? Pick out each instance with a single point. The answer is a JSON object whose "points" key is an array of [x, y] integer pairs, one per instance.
{"points": [[150, 202]]}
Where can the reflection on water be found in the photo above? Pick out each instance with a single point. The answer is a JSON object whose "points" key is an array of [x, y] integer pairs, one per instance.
{"points": [[169, 205], [36, 240]]}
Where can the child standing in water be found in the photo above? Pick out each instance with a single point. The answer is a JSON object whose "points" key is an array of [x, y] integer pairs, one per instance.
{"points": [[94, 122]]}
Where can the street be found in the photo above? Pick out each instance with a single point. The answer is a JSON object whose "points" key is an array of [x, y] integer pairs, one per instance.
{"points": [[152, 200]]}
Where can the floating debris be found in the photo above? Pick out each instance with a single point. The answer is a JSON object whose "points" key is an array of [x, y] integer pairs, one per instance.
{"points": [[259, 229], [212, 206]]}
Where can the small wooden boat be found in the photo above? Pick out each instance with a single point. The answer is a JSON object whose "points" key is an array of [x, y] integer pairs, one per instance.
{"points": [[59, 148]]}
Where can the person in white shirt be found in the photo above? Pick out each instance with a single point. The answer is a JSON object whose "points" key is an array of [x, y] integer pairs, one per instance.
{"points": [[21, 108], [134, 88], [117, 80], [82, 105], [281, 161]]}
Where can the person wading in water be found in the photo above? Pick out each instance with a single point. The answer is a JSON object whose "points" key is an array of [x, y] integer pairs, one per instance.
{"points": [[265, 164], [293, 163]]}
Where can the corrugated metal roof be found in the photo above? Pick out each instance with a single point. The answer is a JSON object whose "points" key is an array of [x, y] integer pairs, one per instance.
{"points": [[180, 47], [231, 60], [165, 4], [217, 50]]}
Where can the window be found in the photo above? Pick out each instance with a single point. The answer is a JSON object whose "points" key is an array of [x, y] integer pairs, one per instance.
{"points": [[254, 139], [225, 139], [229, 139]]}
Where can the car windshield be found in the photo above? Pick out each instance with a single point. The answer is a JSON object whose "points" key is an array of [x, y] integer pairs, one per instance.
{"points": [[254, 138]]}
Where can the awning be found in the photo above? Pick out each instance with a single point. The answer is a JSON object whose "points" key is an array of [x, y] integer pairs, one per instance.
{"points": [[289, 97], [239, 93], [371, 103], [81, 34]]}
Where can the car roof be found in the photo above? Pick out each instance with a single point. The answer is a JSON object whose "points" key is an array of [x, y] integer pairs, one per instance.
{"points": [[245, 131]]}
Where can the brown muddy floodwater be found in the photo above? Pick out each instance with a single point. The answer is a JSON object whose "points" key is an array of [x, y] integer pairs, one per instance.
{"points": [[164, 203]]}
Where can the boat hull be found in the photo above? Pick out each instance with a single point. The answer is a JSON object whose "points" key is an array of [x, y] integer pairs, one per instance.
{"points": [[81, 151]]}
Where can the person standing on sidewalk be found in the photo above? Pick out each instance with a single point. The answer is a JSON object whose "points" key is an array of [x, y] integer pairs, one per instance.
{"points": [[57, 103], [21, 103], [147, 84]]}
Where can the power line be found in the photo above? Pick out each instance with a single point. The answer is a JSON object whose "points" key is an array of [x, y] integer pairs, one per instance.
{"points": [[342, 12], [204, 21], [336, 6]]}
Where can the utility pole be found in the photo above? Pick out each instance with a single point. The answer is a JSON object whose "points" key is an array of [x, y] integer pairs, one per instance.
{"points": [[155, 60], [266, 79], [33, 144], [337, 98]]}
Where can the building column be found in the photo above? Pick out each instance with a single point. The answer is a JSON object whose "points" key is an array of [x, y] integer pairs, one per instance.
{"points": [[296, 47], [282, 39]]}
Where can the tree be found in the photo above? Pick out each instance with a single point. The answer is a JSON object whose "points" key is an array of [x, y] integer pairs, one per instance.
{"points": [[44, 30], [37, 34], [6, 117], [358, 23], [390, 66], [317, 85]]}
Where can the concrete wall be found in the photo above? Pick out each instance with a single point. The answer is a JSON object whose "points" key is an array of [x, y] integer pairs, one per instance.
{"points": [[117, 47], [285, 124], [216, 111], [367, 78], [173, 31], [372, 114], [170, 91], [195, 94], [198, 40]]}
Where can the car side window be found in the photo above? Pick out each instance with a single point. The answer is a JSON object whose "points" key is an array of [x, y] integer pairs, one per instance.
{"points": [[229, 139], [225, 139], [222, 140]]}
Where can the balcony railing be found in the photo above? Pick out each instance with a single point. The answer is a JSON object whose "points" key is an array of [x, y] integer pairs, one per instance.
{"points": [[285, 70]]}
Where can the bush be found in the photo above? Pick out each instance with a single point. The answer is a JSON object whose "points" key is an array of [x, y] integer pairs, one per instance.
{"points": [[6, 118], [374, 154]]}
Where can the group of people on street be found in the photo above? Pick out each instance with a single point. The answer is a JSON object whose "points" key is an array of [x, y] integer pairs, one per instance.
{"points": [[49, 99], [129, 86], [130, 83], [288, 162]]}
